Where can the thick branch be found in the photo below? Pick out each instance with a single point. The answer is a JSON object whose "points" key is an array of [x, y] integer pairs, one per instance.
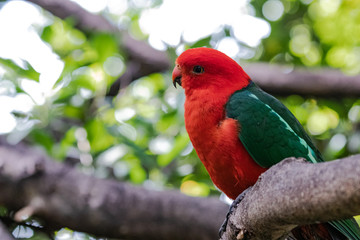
{"points": [[326, 82], [63, 197], [295, 192]]}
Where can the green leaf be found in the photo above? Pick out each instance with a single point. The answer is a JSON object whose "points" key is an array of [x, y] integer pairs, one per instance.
{"points": [[98, 136], [105, 45], [14, 69], [42, 137], [181, 141], [137, 174], [205, 42]]}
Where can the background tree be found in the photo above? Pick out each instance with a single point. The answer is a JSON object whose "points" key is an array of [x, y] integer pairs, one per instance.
{"points": [[107, 108]]}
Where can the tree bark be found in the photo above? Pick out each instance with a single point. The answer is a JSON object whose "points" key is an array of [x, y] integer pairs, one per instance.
{"points": [[144, 60], [295, 192], [59, 196], [289, 194]]}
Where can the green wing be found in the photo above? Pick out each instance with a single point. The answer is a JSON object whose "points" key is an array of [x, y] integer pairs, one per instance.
{"points": [[270, 133]]}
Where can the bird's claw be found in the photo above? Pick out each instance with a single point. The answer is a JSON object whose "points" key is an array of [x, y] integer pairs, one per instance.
{"points": [[233, 206]]}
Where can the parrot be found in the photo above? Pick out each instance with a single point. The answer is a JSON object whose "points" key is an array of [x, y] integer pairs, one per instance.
{"points": [[238, 130]]}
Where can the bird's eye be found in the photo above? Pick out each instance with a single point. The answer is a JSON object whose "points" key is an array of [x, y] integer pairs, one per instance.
{"points": [[198, 69]]}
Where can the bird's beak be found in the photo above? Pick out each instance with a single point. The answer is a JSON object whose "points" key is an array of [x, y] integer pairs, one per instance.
{"points": [[176, 75]]}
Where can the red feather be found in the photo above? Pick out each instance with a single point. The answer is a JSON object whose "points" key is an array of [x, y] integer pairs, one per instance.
{"points": [[215, 137]]}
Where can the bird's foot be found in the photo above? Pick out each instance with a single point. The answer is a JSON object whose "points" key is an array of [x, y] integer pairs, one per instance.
{"points": [[231, 210]]}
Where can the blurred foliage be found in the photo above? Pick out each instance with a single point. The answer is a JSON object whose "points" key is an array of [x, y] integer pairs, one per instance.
{"points": [[139, 135]]}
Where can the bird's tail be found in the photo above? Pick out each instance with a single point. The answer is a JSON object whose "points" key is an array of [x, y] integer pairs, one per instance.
{"points": [[337, 230], [323, 231], [348, 227]]}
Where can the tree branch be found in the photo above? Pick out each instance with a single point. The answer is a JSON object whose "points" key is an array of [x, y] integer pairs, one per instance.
{"points": [[295, 192], [4, 233], [289, 194], [144, 60], [324, 82], [60, 196]]}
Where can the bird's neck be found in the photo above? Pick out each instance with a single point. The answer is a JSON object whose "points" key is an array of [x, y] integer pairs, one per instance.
{"points": [[205, 108], [200, 107], [203, 114]]}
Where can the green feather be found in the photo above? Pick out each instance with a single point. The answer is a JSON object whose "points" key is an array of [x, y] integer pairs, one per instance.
{"points": [[270, 133]]}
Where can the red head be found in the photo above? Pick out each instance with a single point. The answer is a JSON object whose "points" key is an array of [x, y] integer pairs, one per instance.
{"points": [[208, 68]]}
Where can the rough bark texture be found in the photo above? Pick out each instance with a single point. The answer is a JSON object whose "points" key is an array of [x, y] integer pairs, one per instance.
{"points": [[291, 193], [144, 60], [60, 196], [295, 192]]}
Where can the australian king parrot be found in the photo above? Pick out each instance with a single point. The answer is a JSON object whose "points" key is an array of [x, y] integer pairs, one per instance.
{"points": [[237, 129]]}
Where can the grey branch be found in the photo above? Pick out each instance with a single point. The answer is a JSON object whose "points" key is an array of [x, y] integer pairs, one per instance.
{"points": [[282, 80], [295, 192], [289, 194], [60, 196], [4, 233], [144, 60]]}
